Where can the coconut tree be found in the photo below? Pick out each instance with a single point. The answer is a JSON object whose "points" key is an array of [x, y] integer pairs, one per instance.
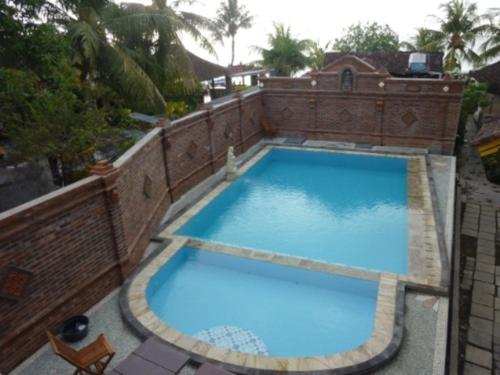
{"points": [[232, 17], [458, 31], [286, 55], [425, 41], [317, 55], [490, 49], [149, 34], [106, 40]]}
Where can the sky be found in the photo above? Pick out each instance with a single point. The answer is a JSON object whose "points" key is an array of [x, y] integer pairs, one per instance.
{"points": [[319, 20]]}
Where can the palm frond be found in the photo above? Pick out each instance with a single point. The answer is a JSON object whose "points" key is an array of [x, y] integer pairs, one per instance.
{"points": [[130, 80]]}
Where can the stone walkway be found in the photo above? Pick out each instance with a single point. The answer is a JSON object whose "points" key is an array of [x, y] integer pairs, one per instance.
{"points": [[482, 278], [480, 283]]}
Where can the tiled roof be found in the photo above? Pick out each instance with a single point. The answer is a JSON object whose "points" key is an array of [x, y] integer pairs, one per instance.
{"points": [[488, 132], [395, 62], [206, 70], [491, 75]]}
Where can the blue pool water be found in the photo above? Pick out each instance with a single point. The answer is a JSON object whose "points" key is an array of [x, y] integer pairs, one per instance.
{"points": [[339, 208], [293, 312]]}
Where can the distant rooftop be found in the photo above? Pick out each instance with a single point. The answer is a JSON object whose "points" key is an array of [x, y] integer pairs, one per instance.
{"points": [[488, 132], [490, 74], [206, 70], [395, 62]]}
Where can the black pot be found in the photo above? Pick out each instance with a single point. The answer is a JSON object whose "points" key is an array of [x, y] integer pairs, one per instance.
{"points": [[75, 328]]}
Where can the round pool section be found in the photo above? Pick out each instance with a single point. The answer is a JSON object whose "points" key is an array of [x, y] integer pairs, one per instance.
{"points": [[262, 308]]}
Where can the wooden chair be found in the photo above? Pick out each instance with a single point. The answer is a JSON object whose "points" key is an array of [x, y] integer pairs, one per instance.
{"points": [[91, 359]]}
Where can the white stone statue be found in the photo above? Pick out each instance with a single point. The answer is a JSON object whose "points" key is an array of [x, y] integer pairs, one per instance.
{"points": [[230, 164]]}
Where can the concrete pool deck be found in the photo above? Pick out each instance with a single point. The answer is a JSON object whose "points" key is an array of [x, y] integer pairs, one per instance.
{"points": [[428, 261], [425, 315]]}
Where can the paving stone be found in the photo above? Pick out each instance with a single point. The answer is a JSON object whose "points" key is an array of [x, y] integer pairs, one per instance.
{"points": [[484, 267], [471, 369], [497, 303], [486, 236], [489, 244], [482, 339], [496, 348], [466, 284], [468, 274], [470, 260], [496, 330], [484, 276], [482, 311], [469, 233], [481, 325], [482, 298], [478, 356], [486, 251], [497, 270], [483, 258], [469, 226], [484, 287]]}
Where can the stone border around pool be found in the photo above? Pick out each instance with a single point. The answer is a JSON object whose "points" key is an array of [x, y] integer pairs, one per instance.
{"points": [[424, 255], [375, 352]]}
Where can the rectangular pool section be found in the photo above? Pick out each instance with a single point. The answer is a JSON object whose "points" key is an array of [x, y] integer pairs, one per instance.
{"points": [[339, 208], [249, 305]]}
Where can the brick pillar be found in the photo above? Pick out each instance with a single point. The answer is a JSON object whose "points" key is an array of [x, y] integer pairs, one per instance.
{"points": [[210, 127], [240, 122], [109, 175], [165, 144], [380, 119]]}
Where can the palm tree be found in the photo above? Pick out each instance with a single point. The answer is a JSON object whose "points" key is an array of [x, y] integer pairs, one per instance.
{"points": [[286, 54], [424, 41], [150, 36], [232, 17], [317, 55], [491, 47], [458, 32], [131, 47]]}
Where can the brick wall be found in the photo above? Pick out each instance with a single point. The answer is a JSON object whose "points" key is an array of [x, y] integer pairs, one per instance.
{"points": [[81, 241], [378, 109]]}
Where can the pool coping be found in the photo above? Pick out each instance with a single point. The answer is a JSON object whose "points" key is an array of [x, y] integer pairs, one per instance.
{"points": [[376, 351]]}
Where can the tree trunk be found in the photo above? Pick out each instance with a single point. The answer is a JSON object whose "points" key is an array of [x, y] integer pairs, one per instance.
{"points": [[232, 50]]}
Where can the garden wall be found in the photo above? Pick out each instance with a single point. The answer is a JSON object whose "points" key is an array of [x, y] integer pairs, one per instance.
{"points": [[370, 107], [79, 243], [70, 248]]}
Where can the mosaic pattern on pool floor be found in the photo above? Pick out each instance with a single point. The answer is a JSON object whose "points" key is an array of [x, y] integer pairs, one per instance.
{"points": [[234, 338]]}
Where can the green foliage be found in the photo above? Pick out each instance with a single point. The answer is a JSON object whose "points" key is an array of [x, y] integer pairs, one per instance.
{"points": [[317, 55], [458, 31], [46, 110], [147, 35], [370, 37], [490, 49], [232, 17], [286, 54], [475, 96], [492, 166], [425, 41], [69, 123]]}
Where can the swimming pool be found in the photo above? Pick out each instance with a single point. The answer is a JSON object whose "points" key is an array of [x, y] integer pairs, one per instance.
{"points": [[262, 308], [349, 209]]}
